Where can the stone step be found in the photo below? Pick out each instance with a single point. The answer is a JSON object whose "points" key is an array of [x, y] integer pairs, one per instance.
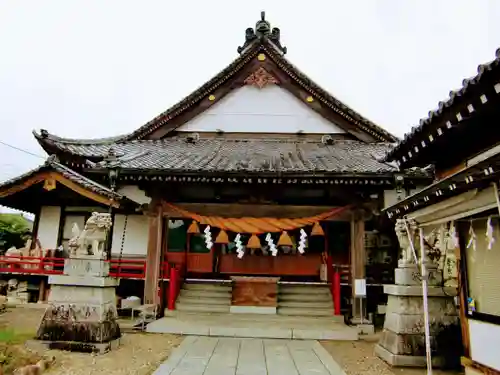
{"points": [[305, 297], [203, 301], [306, 304], [299, 311], [195, 293], [207, 287], [295, 289], [201, 308]]}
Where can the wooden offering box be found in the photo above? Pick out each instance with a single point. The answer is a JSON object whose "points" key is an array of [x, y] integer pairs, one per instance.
{"points": [[254, 295]]}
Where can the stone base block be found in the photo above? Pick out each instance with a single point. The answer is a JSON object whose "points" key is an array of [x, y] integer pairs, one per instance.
{"points": [[414, 324], [416, 290], [399, 360], [73, 346], [411, 345], [83, 332], [252, 310], [411, 276], [83, 281], [413, 305], [86, 266]]}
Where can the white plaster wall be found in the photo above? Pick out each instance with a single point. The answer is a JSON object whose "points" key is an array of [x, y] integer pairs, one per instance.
{"points": [[134, 193], [271, 109], [485, 343], [391, 197], [136, 235], [48, 226]]}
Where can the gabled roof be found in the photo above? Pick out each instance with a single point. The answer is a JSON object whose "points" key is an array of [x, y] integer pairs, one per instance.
{"points": [[258, 41], [456, 102], [57, 172], [219, 154]]}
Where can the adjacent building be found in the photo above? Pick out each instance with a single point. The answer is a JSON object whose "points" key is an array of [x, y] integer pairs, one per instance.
{"points": [[461, 140]]}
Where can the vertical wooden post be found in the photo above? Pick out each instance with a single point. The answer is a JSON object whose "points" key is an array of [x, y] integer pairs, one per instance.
{"points": [[336, 290], [358, 258], [41, 290], [462, 288], [153, 257], [172, 288]]}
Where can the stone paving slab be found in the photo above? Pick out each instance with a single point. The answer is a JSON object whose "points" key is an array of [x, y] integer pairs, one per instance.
{"points": [[199, 355], [254, 326]]}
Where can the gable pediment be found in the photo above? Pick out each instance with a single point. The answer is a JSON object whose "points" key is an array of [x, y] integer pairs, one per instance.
{"points": [[259, 85], [260, 106]]}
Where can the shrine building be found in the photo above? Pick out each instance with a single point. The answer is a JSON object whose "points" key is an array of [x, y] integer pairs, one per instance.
{"points": [[258, 173]]}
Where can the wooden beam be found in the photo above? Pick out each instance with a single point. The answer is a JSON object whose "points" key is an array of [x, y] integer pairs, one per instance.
{"points": [[358, 256], [42, 176], [153, 255], [253, 210], [479, 368]]}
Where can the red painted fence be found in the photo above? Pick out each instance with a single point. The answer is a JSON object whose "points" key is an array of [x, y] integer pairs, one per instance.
{"points": [[124, 268]]}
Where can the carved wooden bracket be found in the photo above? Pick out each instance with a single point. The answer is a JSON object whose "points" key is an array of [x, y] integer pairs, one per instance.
{"points": [[260, 78]]}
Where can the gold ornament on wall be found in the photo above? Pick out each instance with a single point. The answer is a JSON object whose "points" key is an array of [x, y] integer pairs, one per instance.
{"points": [[309, 99], [49, 184], [261, 57], [211, 97]]}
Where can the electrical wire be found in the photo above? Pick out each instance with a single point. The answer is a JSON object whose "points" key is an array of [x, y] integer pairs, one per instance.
{"points": [[22, 150]]}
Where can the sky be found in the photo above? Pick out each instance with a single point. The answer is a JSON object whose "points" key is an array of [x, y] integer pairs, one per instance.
{"points": [[87, 68]]}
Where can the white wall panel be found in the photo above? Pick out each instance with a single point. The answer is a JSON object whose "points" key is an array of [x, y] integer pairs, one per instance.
{"points": [[485, 343], [271, 109], [48, 227], [136, 235]]}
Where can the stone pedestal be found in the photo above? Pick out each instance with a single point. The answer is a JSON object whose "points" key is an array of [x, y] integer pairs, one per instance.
{"points": [[403, 339], [82, 312]]}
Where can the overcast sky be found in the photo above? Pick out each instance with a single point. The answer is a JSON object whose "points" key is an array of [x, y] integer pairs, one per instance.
{"points": [[89, 69]]}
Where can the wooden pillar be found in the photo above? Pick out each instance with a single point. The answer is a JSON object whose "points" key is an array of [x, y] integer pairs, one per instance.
{"points": [[153, 258], [358, 259], [42, 291], [462, 288]]}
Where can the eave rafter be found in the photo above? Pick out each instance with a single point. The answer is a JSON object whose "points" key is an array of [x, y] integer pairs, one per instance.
{"points": [[50, 179], [476, 176], [476, 93]]}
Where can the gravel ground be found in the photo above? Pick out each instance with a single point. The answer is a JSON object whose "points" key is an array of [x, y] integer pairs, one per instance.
{"points": [[358, 358], [138, 354]]}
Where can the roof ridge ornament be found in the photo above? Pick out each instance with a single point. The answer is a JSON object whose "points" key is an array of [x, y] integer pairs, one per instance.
{"points": [[262, 32]]}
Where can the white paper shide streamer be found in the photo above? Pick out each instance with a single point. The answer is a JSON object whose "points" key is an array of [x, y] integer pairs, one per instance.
{"points": [[453, 235], [489, 234], [239, 246], [473, 238], [302, 241], [208, 237], [272, 246]]}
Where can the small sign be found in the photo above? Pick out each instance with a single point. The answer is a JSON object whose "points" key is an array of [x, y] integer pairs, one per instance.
{"points": [[360, 287]]}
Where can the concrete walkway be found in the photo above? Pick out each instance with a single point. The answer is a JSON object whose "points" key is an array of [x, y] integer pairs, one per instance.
{"points": [[240, 356]]}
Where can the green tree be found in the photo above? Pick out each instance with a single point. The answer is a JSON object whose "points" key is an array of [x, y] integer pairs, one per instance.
{"points": [[14, 231]]}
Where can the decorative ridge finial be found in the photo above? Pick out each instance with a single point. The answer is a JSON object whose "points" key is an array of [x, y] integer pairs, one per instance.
{"points": [[261, 33]]}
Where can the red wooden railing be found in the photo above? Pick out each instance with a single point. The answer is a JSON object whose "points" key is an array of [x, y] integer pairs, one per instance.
{"points": [[124, 268]]}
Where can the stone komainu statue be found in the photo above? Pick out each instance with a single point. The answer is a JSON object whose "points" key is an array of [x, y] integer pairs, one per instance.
{"points": [[92, 239]]}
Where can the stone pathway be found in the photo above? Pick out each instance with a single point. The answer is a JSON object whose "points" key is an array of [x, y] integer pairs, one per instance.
{"points": [[198, 355]]}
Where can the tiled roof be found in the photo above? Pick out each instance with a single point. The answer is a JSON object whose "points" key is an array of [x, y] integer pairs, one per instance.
{"points": [[227, 73], [454, 97], [52, 164], [176, 154]]}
